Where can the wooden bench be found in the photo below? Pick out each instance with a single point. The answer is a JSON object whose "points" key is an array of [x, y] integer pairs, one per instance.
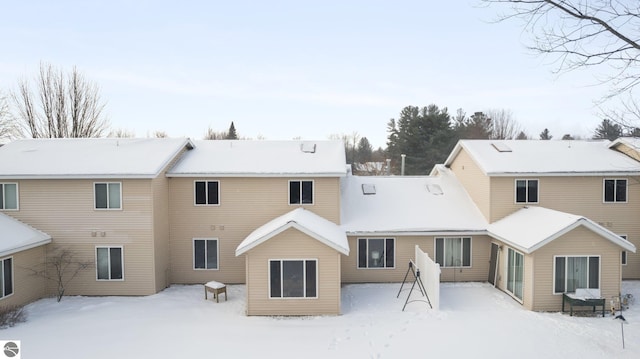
{"points": [[216, 288], [583, 298]]}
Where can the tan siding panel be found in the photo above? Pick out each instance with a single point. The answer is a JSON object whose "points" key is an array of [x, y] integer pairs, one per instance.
{"points": [[27, 287], [474, 181]]}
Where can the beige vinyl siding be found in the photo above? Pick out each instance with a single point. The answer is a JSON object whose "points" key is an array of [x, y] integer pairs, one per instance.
{"points": [[293, 244], [245, 204], [65, 210], [580, 195], [27, 287], [477, 184], [405, 251], [579, 242], [629, 151]]}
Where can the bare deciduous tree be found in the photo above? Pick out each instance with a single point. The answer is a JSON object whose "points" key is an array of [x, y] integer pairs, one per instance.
{"points": [[121, 133], [8, 127], [63, 105], [503, 124], [62, 266]]}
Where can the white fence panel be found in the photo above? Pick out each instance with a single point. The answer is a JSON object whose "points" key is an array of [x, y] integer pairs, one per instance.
{"points": [[430, 276]]}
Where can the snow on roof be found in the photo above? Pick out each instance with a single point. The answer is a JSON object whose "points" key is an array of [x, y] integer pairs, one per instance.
{"points": [[230, 158], [530, 228], [633, 142], [303, 220], [537, 157], [408, 204], [88, 157], [16, 236]]}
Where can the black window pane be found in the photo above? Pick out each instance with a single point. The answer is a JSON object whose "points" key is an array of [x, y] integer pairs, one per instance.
{"points": [[560, 275], [621, 190], [201, 196], [623, 257], [594, 272], [466, 252], [521, 191], [199, 254], [212, 196], [274, 273], [101, 195], [212, 254], [307, 192], [116, 263], [362, 253], [294, 192], [609, 190], [389, 254], [7, 277], [310, 274], [103, 263], [292, 279], [440, 251], [376, 253], [1, 196], [532, 191]]}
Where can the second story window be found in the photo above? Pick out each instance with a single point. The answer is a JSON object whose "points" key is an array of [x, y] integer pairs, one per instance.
{"points": [[527, 191], [207, 192], [108, 195], [8, 196], [615, 190], [300, 192]]}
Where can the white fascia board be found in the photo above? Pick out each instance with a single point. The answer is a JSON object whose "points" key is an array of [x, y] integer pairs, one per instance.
{"points": [[257, 175], [417, 233], [561, 174], [25, 247]]}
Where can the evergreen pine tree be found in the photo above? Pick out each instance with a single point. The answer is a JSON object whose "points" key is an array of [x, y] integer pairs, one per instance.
{"points": [[231, 134], [545, 135]]}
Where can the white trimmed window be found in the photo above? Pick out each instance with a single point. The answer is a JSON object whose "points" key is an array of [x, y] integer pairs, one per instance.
{"points": [[300, 192], [615, 190], [205, 253], [293, 278], [453, 251], [515, 273], [623, 254], [109, 263], [8, 196], [572, 272], [376, 252], [6, 277], [108, 195], [527, 191], [207, 193]]}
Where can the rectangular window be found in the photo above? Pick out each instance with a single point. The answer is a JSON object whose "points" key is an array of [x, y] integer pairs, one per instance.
{"points": [[207, 192], [515, 273], [576, 272], [376, 253], [526, 191], [300, 192], [453, 252], [205, 254], [8, 196], [293, 278], [6, 277], [623, 254], [109, 263], [615, 190], [108, 195]]}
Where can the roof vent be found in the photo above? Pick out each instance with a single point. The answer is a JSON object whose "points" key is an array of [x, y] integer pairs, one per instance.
{"points": [[308, 147], [368, 189], [501, 147], [435, 189]]}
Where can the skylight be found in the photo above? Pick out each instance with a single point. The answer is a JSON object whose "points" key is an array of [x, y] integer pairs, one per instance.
{"points": [[501, 146], [435, 189], [368, 188], [308, 147]]}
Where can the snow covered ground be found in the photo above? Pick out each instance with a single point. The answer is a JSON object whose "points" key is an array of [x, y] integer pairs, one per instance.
{"points": [[475, 320]]}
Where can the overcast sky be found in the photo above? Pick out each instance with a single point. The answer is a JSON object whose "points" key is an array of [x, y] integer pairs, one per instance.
{"points": [[285, 69]]}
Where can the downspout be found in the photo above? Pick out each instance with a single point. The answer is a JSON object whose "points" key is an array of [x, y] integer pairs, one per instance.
{"points": [[402, 166]]}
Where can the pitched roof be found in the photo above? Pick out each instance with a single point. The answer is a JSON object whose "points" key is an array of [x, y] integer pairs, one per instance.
{"points": [[303, 220], [551, 158], [530, 228], [16, 236], [408, 204], [88, 157], [230, 158]]}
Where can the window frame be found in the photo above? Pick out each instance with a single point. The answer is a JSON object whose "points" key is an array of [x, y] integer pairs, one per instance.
{"points": [[615, 187], [462, 238], [588, 256], [109, 261], [301, 193], [3, 294], [304, 276], [108, 208], [217, 241], [526, 181], [206, 193], [515, 253], [368, 255], [3, 196]]}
